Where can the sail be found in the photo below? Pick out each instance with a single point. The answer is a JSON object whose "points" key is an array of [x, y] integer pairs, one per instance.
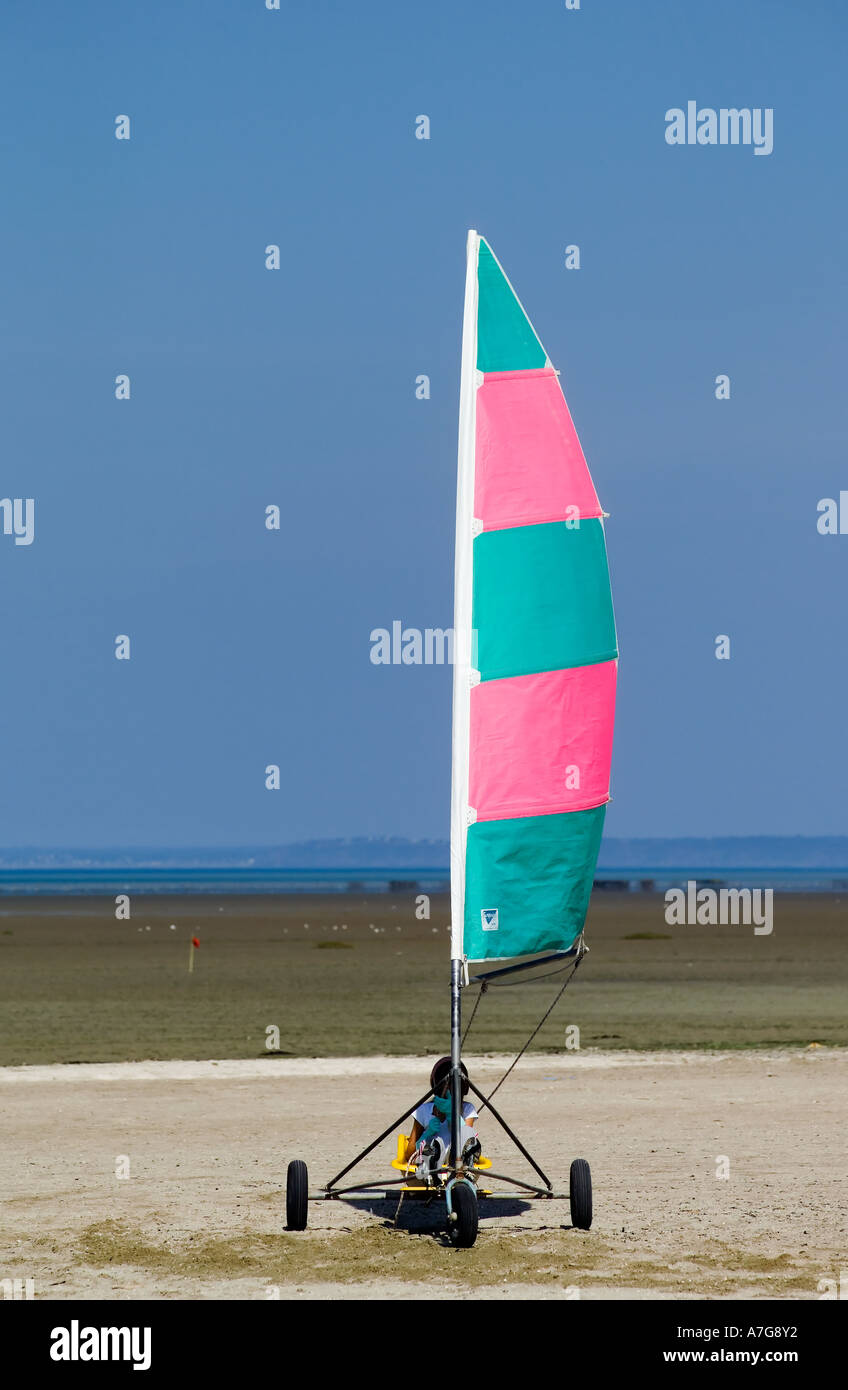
{"points": [[535, 653]]}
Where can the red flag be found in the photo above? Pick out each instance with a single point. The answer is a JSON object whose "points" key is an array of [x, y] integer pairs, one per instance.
{"points": [[194, 941]]}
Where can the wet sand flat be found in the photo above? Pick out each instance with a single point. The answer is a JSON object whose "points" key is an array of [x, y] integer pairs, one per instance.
{"points": [[348, 975]]}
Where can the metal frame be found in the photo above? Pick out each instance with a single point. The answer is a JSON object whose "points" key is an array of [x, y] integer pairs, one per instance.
{"points": [[365, 1152], [440, 1182]]}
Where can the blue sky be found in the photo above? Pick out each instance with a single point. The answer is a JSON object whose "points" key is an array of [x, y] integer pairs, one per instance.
{"points": [[296, 387]]}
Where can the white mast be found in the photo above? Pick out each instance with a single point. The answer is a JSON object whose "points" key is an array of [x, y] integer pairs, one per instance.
{"points": [[463, 654]]}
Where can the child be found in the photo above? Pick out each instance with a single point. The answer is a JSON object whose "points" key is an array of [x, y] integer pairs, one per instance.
{"points": [[431, 1129]]}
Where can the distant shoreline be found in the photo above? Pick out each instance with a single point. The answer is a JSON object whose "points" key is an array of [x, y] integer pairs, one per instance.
{"points": [[236, 882], [369, 855]]}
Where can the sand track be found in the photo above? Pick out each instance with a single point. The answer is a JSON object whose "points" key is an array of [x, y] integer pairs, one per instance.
{"points": [[201, 1214]]}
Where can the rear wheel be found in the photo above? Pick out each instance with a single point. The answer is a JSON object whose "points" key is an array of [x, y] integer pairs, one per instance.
{"points": [[580, 1192], [463, 1226], [297, 1195]]}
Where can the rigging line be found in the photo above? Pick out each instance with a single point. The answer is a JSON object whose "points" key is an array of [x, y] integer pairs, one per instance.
{"points": [[536, 980], [483, 988], [560, 993], [510, 984]]}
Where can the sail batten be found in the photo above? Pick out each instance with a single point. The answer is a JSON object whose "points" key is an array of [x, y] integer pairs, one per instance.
{"points": [[535, 654]]}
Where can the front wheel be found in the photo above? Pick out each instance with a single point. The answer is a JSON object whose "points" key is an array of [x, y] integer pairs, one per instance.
{"points": [[580, 1193], [464, 1219], [297, 1195]]}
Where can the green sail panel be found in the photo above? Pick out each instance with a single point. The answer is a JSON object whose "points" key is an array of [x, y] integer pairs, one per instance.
{"points": [[528, 882], [541, 599], [506, 341]]}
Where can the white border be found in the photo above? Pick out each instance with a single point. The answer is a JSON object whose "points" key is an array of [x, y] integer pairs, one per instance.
{"points": [[462, 647]]}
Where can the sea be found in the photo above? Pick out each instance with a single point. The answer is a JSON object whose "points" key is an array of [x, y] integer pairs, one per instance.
{"points": [[225, 882]]}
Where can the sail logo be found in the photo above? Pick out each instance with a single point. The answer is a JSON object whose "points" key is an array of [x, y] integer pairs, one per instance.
{"points": [[725, 126], [19, 518], [707, 908], [489, 918], [77, 1343]]}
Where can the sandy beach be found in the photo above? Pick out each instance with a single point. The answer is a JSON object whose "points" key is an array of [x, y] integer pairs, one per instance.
{"points": [[202, 1212]]}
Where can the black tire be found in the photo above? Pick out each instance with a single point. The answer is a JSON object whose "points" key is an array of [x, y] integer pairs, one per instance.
{"points": [[580, 1193], [463, 1231], [297, 1195]]}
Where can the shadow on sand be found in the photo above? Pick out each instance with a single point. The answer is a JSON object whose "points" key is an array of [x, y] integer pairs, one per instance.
{"points": [[427, 1215]]}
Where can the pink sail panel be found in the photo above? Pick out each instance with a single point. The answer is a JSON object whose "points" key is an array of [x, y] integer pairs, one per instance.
{"points": [[529, 466], [542, 743]]}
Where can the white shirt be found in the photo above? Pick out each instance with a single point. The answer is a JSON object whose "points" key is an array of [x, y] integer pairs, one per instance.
{"points": [[424, 1115]]}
